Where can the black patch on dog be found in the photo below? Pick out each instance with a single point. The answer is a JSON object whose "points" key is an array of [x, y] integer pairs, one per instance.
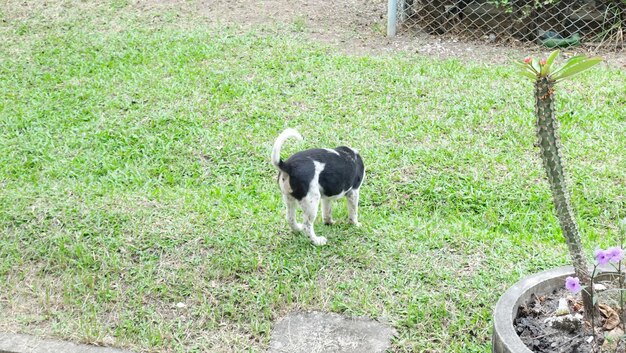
{"points": [[342, 172]]}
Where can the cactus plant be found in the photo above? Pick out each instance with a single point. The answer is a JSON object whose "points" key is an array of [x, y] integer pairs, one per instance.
{"points": [[546, 77]]}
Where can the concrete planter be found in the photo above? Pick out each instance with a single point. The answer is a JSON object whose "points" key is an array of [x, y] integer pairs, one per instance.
{"points": [[505, 339]]}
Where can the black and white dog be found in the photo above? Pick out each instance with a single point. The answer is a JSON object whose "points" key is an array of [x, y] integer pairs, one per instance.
{"points": [[317, 174]]}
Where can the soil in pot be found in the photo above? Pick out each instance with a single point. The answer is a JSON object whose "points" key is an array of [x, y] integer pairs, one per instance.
{"points": [[535, 323]]}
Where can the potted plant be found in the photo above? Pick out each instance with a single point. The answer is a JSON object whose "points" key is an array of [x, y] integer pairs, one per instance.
{"points": [[546, 75]]}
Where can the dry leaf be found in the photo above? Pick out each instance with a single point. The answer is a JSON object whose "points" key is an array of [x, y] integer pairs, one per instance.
{"points": [[612, 339], [612, 319]]}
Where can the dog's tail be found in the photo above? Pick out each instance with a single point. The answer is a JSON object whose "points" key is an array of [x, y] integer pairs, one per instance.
{"points": [[278, 144]]}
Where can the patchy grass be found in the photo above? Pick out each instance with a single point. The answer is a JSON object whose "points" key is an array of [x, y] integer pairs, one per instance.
{"points": [[135, 175]]}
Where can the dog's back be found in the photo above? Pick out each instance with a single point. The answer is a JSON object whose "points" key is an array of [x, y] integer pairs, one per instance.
{"points": [[337, 171]]}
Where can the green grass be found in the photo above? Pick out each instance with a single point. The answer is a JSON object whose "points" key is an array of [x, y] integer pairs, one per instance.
{"points": [[135, 175]]}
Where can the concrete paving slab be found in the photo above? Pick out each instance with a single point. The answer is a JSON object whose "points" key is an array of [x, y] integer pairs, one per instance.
{"points": [[316, 332], [16, 343]]}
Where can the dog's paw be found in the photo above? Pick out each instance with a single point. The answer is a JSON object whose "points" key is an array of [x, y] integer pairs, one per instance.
{"points": [[297, 227], [319, 241], [355, 223]]}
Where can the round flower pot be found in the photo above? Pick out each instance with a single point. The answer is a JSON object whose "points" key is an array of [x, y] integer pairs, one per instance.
{"points": [[505, 339]]}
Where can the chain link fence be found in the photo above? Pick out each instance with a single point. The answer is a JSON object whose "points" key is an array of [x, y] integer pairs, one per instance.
{"points": [[552, 23]]}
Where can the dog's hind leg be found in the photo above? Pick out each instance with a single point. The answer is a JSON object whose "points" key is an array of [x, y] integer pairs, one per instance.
{"points": [[309, 206], [353, 206], [291, 204], [327, 210]]}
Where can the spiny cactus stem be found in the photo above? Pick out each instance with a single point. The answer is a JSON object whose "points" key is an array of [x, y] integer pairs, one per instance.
{"points": [[549, 144]]}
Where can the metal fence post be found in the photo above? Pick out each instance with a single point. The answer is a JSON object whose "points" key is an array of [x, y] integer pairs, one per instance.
{"points": [[392, 10]]}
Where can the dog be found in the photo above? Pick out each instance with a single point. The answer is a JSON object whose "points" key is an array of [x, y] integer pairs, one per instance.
{"points": [[315, 175]]}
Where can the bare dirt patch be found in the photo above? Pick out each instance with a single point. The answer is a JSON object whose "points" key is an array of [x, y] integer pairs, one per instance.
{"points": [[358, 27]]}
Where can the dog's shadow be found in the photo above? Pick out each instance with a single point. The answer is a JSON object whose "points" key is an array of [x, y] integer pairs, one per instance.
{"points": [[347, 246], [340, 233]]}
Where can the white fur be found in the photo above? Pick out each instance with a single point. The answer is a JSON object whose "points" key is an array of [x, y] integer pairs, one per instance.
{"points": [[338, 196], [332, 151], [278, 144], [290, 202], [310, 204], [353, 206]]}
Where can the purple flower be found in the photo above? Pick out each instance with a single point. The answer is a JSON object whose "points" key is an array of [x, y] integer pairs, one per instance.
{"points": [[602, 256], [615, 253], [573, 284]]}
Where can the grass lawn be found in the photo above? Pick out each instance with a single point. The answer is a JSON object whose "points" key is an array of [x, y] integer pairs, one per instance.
{"points": [[135, 176]]}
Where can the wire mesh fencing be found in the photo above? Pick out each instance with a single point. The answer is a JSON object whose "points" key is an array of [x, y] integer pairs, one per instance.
{"points": [[552, 23]]}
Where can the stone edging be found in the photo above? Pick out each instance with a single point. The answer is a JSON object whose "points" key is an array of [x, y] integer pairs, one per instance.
{"points": [[18, 343]]}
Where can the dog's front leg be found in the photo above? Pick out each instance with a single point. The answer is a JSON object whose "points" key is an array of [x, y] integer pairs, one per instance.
{"points": [[353, 206], [327, 211], [309, 205], [291, 204]]}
